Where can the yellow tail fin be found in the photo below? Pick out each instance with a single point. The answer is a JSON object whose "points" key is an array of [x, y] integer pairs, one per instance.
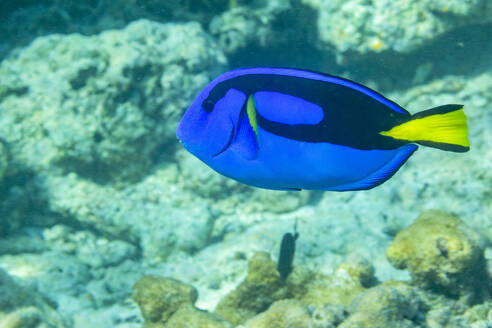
{"points": [[443, 127]]}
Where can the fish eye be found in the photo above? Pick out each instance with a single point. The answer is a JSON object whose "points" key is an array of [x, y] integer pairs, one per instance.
{"points": [[208, 105]]}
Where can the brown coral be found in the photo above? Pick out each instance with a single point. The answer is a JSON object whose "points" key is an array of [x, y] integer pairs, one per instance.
{"points": [[442, 254]]}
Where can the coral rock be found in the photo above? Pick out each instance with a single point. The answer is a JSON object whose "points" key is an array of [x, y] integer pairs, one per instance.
{"points": [[89, 104], [21, 307], [348, 280], [375, 26], [255, 293], [391, 304], [442, 254], [159, 298], [188, 316], [281, 314]]}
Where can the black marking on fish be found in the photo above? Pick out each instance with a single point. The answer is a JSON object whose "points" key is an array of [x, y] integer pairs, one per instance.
{"points": [[351, 118], [229, 141]]}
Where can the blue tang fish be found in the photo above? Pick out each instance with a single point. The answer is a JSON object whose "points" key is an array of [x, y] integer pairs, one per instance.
{"points": [[290, 129]]}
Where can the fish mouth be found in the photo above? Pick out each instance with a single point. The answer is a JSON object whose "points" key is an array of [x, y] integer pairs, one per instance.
{"points": [[229, 142]]}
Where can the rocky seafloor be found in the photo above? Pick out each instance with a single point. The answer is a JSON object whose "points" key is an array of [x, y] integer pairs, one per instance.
{"points": [[107, 222]]}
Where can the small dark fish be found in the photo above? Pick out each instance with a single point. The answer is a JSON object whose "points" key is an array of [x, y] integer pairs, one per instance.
{"points": [[287, 251]]}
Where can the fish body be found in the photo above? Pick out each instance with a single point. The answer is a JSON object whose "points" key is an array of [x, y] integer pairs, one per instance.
{"points": [[287, 252], [289, 129]]}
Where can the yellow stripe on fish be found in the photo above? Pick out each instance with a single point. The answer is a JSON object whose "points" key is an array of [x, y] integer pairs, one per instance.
{"points": [[251, 111], [447, 128]]}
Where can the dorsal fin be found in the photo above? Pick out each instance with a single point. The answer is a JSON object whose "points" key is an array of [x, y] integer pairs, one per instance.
{"points": [[313, 75]]}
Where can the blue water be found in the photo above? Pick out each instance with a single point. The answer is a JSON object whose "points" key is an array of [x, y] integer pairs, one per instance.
{"points": [[96, 192]]}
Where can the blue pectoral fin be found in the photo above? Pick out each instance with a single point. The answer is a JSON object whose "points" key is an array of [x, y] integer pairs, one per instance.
{"points": [[246, 141], [382, 174]]}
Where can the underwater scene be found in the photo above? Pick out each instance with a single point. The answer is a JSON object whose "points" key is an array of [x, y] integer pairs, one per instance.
{"points": [[246, 164]]}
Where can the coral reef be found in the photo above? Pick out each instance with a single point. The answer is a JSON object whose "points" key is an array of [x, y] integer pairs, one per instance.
{"points": [[103, 100], [442, 254], [350, 297], [388, 305], [347, 281], [96, 193], [324, 295], [188, 316], [95, 102], [375, 26], [244, 26], [91, 17], [22, 307], [283, 313], [166, 223], [254, 294], [166, 302], [56, 275], [97, 251], [159, 298]]}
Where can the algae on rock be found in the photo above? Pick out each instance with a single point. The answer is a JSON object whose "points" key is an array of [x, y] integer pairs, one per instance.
{"points": [[347, 281], [254, 294], [168, 303], [443, 255], [188, 316], [282, 314], [159, 298], [324, 296], [351, 297]]}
